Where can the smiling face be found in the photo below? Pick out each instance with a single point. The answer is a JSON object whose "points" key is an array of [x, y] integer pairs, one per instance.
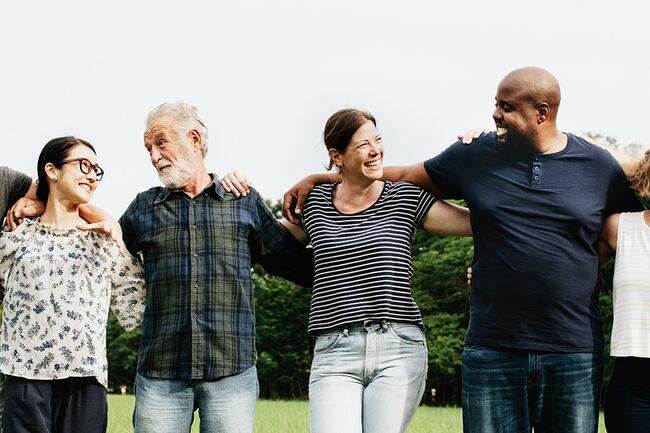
{"points": [[72, 184], [515, 115], [364, 156], [173, 155]]}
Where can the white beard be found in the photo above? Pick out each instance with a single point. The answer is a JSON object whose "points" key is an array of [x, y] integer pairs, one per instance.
{"points": [[178, 174]]}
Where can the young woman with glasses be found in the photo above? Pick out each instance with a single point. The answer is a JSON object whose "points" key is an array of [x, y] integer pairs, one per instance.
{"points": [[59, 283]]}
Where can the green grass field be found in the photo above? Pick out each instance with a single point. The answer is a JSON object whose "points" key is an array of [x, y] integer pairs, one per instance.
{"points": [[293, 417]]}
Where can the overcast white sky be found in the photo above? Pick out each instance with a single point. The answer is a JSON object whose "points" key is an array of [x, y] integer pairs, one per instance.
{"points": [[267, 74]]}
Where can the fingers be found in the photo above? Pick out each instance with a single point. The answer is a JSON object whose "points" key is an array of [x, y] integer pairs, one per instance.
{"points": [[287, 203], [469, 276], [300, 201], [33, 209], [472, 134], [228, 186], [15, 214], [111, 229], [236, 183]]}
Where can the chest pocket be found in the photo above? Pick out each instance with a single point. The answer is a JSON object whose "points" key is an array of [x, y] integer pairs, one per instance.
{"points": [[232, 242]]}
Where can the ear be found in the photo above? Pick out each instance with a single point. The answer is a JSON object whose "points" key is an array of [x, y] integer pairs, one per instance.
{"points": [[51, 171], [335, 157], [197, 140], [543, 112]]}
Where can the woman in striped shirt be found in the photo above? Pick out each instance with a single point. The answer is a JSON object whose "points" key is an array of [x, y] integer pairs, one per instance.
{"points": [[370, 358], [627, 402]]}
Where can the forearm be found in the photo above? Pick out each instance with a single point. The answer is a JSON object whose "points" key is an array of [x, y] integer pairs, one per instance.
{"points": [[323, 178], [93, 214], [415, 174], [31, 193]]}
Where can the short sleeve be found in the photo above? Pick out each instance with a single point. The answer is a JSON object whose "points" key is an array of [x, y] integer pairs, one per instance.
{"points": [[13, 185], [620, 197], [425, 201], [446, 170], [128, 294]]}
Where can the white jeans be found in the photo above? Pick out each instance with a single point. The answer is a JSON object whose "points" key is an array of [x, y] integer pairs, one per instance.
{"points": [[367, 379]]}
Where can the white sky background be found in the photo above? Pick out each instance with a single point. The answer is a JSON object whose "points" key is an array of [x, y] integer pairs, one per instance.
{"points": [[266, 75]]}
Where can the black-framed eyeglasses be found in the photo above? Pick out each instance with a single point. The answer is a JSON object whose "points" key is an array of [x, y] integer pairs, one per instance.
{"points": [[85, 166]]}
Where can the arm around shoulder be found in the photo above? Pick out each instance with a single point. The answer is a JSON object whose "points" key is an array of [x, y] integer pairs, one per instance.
{"points": [[448, 219], [415, 174]]}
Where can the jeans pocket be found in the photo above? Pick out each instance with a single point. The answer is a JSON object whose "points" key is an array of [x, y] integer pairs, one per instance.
{"points": [[407, 333], [326, 342]]}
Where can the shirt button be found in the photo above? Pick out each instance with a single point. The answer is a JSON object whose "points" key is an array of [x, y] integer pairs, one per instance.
{"points": [[536, 177], [196, 316], [194, 227], [197, 285], [196, 254], [536, 168]]}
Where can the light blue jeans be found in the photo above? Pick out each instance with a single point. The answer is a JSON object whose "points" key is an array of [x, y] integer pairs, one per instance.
{"points": [[226, 405], [367, 379]]}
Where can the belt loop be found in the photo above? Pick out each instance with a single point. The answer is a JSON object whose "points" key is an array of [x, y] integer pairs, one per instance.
{"points": [[346, 332]]}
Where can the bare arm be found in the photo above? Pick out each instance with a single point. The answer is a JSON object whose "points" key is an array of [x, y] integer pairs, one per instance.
{"points": [[606, 243], [448, 219], [296, 230], [31, 193], [294, 199], [415, 174], [100, 221]]}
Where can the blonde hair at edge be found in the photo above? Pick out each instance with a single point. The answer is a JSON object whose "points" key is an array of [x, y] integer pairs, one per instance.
{"points": [[640, 179], [187, 118]]}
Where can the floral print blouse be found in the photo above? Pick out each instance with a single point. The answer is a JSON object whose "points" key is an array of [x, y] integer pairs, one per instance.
{"points": [[58, 287]]}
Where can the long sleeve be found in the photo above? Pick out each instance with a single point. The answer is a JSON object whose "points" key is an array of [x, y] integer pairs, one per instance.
{"points": [[128, 294], [10, 243]]}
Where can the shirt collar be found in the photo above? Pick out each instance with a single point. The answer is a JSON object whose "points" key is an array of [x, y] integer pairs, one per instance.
{"points": [[215, 189]]}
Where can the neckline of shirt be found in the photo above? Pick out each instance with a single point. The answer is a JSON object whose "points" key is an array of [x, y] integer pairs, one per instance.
{"points": [[331, 198]]}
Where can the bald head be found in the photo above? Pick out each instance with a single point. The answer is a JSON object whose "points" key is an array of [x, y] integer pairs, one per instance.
{"points": [[536, 84]]}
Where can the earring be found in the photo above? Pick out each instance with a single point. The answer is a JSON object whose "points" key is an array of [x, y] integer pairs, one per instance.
{"points": [[54, 179]]}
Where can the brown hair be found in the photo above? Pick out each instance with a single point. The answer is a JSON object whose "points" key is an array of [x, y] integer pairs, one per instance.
{"points": [[640, 179], [341, 126]]}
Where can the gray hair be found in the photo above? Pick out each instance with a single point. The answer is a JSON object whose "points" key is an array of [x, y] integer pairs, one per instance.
{"points": [[187, 117]]}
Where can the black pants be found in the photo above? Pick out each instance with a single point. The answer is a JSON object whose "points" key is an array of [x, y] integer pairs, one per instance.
{"points": [[72, 405], [627, 402]]}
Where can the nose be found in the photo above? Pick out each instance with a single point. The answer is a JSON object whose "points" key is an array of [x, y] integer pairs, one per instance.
{"points": [[496, 115], [92, 176], [154, 154]]}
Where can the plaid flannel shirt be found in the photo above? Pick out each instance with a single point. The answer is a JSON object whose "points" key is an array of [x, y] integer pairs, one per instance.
{"points": [[199, 321]]}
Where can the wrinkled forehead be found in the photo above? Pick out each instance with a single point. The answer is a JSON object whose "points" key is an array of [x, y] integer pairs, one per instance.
{"points": [[161, 126]]}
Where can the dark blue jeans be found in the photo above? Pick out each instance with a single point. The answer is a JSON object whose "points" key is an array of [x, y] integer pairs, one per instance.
{"points": [[514, 391], [627, 402]]}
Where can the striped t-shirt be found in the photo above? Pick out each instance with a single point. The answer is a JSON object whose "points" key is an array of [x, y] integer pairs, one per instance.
{"points": [[631, 329], [362, 261]]}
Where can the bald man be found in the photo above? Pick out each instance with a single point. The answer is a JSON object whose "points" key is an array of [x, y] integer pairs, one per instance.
{"points": [[534, 346]]}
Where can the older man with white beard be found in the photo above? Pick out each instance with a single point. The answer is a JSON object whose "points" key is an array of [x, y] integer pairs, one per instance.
{"points": [[198, 242]]}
